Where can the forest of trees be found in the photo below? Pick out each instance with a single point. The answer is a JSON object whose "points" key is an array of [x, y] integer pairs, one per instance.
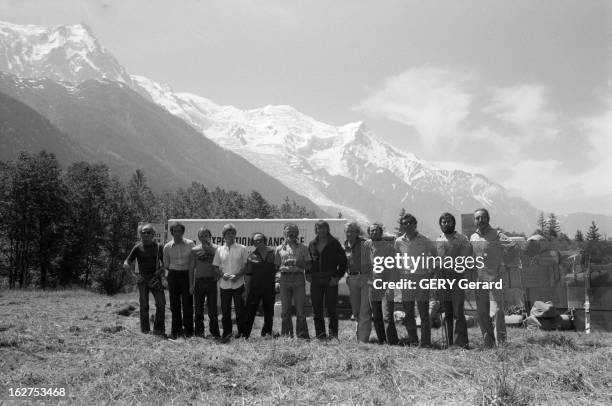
{"points": [[595, 246], [76, 226]]}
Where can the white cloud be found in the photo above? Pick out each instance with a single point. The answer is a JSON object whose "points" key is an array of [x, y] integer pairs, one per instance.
{"points": [[434, 101], [504, 140], [524, 107]]}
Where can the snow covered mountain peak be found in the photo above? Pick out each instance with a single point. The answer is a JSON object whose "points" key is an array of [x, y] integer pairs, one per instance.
{"points": [[63, 52], [345, 168]]}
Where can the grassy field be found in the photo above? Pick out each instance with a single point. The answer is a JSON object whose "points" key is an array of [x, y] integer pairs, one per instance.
{"points": [[75, 340]]}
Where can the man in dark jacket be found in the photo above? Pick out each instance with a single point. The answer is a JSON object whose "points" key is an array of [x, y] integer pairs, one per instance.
{"points": [[328, 265], [261, 270]]}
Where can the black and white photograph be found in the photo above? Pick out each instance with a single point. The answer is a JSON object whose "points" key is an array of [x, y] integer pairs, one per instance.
{"points": [[276, 202]]}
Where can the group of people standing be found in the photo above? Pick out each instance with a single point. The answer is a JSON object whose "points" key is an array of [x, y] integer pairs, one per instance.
{"points": [[194, 271]]}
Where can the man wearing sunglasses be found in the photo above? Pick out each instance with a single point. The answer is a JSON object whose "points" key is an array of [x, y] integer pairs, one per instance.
{"points": [[149, 255]]}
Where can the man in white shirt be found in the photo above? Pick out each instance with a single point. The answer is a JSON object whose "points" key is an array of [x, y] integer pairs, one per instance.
{"points": [[414, 244], [230, 259], [176, 260], [488, 244]]}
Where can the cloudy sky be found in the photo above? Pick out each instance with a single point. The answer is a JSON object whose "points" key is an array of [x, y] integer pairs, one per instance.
{"points": [[520, 91]]}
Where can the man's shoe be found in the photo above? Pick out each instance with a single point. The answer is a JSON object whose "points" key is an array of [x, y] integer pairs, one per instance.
{"points": [[224, 340]]}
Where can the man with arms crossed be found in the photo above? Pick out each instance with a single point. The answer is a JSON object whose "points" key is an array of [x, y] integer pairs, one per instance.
{"points": [[487, 244], [292, 261], [451, 244], [203, 283], [149, 254], [230, 260]]}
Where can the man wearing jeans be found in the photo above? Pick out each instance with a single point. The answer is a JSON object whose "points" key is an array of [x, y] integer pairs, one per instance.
{"points": [[487, 244], [292, 261], [176, 260], [415, 245], [230, 260], [358, 280], [148, 254], [381, 300], [203, 283]]}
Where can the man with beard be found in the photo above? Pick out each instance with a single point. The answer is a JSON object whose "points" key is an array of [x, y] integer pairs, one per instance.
{"points": [[452, 245]]}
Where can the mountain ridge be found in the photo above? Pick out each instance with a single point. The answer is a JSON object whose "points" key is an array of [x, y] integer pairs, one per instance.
{"points": [[346, 168]]}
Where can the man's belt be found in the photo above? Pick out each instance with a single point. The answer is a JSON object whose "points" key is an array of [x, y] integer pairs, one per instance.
{"points": [[352, 273], [207, 278], [298, 270], [179, 270]]}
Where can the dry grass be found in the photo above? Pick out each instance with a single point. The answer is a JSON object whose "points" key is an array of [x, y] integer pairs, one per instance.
{"points": [[75, 339]]}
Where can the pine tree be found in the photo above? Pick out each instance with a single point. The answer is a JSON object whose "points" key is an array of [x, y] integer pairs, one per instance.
{"points": [[552, 226], [257, 207], [34, 206], [141, 199], [579, 237], [593, 233], [88, 186], [541, 224]]}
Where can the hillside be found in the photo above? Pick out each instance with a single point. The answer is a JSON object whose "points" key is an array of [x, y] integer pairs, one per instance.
{"points": [[116, 125]]}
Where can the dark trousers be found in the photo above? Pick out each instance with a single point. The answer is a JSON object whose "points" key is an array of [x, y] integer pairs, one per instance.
{"points": [[322, 293], [159, 325], [410, 321], [256, 296], [178, 289], [227, 295], [205, 290], [382, 313], [453, 305]]}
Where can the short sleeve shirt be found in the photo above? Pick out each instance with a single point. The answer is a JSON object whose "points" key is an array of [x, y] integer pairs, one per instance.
{"points": [[203, 265], [146, 255], [285, 251], [231, 260]]}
